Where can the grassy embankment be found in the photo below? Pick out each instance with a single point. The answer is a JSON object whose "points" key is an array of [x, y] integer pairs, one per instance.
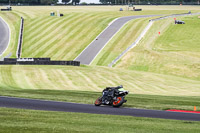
{"points": [[175, 52], [66, 37], [86, 78], [15, 120], [94, 79], [14, 23]]}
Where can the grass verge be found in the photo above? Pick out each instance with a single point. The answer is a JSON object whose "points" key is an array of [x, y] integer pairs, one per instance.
{"points": [[14, 24], [17, 120], [94, 79]]}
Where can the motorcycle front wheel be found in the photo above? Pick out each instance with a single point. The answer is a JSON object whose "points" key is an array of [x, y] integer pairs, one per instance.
{"points": [[98, 102], [118, 102]]}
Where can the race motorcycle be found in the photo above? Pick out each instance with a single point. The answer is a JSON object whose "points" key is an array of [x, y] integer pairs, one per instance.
{"points": [[113, 96]]}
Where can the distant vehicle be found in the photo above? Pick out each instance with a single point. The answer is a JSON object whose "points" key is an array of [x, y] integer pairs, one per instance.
{"points": [[179, 22], [113, 96], [134, 9], [8, 8]]}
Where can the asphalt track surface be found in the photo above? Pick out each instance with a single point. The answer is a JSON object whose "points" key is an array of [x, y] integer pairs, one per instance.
{"points": [[90, 52], [4, 36], [21, 103]]}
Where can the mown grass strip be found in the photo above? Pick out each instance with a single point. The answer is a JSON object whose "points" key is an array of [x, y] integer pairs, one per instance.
{"points": [[90, 78], [53, 40], [13, 120], [73, 32], [39, 39]]}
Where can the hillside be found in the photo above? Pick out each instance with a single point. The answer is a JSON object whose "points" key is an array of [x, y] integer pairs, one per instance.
{"points": [[175, 52], [95, 79], [143, 70], [65, 37]]}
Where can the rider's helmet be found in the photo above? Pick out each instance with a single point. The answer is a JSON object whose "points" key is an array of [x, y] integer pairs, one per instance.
{"points": [[121, 86]]}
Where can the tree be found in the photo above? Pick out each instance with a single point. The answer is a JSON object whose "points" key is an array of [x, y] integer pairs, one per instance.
{"points": [[48, 2], [75, 2], [65, 1], [149, 1], [4, 1]]}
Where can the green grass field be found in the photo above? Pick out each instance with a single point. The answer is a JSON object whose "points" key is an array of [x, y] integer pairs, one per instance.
{"points": [[95, 79], [53, 37], [174, 52], [13, 120], [156, 71], [162, 72], [71, 34], [14, 23]]}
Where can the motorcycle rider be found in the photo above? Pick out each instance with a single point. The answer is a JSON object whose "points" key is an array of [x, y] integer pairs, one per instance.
{"points": [[109, 92]]}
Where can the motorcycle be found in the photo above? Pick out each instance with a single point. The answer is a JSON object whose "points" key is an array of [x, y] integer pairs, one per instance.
{"points": [[113, 96]]}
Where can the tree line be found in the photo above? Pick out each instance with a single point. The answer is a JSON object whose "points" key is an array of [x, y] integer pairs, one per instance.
{"points": [[37, 2], [113, 2], [150, 2]]}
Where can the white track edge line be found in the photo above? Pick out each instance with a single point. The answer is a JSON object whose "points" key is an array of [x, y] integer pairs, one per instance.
{"points": [[9, 36]]}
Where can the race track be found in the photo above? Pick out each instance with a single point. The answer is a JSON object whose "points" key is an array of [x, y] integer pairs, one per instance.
{"points": [[86, 57], [4, 36], [21, 103], [89, 54]]}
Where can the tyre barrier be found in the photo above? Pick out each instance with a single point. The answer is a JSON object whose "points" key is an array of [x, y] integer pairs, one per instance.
{"points": [[37, 61], [137, 9], [7, 9]]}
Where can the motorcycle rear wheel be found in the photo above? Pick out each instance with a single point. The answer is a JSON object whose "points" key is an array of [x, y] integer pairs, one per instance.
{"points": [[98, 102], [118, 102]]}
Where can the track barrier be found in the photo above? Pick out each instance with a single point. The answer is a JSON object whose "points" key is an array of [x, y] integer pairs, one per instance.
{"points": [[37, 61], [7, 9], [19, 48]]}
